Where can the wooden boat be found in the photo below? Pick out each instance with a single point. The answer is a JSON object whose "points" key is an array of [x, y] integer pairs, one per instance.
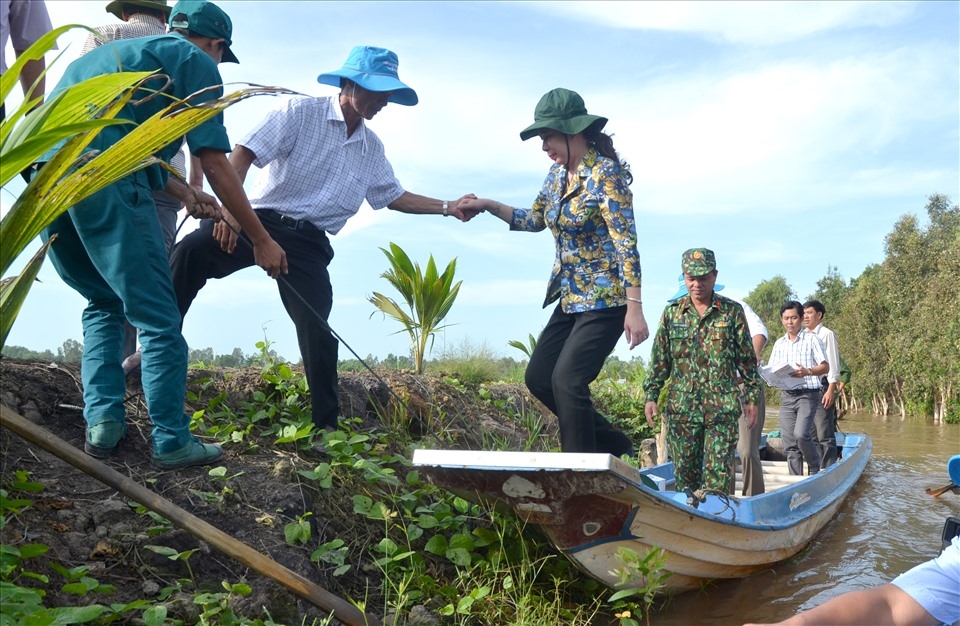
{"points": [[590, 505]]}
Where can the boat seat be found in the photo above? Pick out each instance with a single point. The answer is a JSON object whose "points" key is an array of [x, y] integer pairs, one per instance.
{"points": [[775, 475]]}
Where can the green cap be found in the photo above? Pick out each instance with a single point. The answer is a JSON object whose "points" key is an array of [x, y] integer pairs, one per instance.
{"points": [[698, 261], [563, 111], [207, 19], [116, 6]]}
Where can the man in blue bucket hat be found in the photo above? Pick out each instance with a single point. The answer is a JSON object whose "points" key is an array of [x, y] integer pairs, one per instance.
{"points": [[320, 163], [375, 70]]}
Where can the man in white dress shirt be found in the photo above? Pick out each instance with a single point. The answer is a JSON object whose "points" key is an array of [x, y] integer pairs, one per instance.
{"points": [[801, 395], [826, 418]]}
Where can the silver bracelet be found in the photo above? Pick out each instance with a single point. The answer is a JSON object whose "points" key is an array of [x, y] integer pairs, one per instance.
{"points": [[637, 300], [446, 205]]}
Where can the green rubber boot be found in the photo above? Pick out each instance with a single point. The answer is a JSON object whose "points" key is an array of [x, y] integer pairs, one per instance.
{"points": [[194, 453], [102, 440]]}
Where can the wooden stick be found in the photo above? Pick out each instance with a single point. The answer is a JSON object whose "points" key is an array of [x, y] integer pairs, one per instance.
{"points": [[939, 492], [237, 550]]}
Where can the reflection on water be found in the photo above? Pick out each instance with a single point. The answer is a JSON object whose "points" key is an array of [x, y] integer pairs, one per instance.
{"points": [[886, 526]]}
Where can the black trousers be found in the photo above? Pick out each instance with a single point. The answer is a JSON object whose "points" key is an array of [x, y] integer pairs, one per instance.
{"points": [[569, 355], [305, 291]]}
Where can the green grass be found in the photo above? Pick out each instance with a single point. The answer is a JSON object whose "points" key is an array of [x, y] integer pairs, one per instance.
{"points": [[464, 563]]}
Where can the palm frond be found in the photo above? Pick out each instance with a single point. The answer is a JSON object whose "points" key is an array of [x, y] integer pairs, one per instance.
{"points": [[429, 297], [69, 121]]}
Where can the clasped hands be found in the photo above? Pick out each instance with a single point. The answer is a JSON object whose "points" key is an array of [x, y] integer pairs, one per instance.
{"points": [[462, 209]]}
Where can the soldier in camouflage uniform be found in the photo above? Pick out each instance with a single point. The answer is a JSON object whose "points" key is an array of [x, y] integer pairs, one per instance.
{"points": [[701, 346]]}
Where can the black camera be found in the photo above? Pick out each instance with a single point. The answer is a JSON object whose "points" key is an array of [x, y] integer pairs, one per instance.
{"points": [[951, 529]]}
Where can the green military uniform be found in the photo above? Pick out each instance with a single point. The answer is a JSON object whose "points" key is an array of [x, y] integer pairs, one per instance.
{"points": [[702, 357], [845, 373]]}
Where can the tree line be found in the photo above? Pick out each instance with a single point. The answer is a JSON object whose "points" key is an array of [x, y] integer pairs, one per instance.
{"points": [[898, 322], [72, 350]]}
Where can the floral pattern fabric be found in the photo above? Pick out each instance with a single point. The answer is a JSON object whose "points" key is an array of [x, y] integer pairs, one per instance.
{"points": [[593, 225]]}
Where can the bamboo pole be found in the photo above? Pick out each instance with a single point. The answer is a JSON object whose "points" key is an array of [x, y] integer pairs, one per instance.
{"points": [[237, 550]]}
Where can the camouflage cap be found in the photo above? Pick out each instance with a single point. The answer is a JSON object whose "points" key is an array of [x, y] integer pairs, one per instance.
{"points": [[698, 261]]}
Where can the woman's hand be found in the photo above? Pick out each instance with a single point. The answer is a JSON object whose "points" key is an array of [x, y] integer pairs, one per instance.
{"points": [[635, 325]]}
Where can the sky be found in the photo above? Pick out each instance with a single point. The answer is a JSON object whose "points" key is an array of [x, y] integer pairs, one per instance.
{"points": [[788, 137]]}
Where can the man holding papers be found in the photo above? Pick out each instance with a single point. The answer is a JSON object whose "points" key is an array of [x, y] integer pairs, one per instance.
{"points": [[802, 352]]}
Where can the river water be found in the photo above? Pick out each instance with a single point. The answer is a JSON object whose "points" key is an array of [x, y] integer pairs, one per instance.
{"points": [[887, 525]]}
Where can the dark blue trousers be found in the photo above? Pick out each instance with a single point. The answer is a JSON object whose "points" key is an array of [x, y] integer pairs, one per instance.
{"points": [[569, 355], [305, 291], [797, 411]]}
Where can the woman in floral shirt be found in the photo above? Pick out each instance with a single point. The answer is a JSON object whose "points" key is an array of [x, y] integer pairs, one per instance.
{"points": [[587, 204]]}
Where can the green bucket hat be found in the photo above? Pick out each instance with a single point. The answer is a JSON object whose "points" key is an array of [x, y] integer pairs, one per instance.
{"points": [[563, 111], [157, 5]]}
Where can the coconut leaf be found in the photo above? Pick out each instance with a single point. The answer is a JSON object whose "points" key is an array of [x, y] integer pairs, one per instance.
{"points": [[69, 176], [69, 121], [428, 295], [13, 290], [83, 106], [10, 78]]}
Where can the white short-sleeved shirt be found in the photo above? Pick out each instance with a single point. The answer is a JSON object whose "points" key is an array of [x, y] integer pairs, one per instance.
{"points": [[312, 170], [755, 325], [935, 585], [829, 339]]}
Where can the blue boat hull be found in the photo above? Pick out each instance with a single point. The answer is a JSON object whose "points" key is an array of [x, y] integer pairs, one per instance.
{"points": [[592, 505]]}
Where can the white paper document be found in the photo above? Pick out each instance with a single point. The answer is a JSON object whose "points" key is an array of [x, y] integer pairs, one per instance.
{"points": [[778, 375]]}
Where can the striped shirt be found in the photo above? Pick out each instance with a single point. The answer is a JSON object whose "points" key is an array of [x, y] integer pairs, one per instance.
{"points": [[806, 351], [139, 25], [312, 170]]}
